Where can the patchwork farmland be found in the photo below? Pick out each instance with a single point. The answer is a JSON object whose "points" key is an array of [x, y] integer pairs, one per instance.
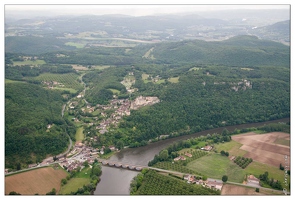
{"points": [[263, 147]]}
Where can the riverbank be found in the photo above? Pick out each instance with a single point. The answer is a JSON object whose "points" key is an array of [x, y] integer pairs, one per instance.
{"points": [[116, 181]]}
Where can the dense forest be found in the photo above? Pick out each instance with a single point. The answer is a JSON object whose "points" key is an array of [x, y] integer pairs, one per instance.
{"points": [[29, 109], [210, 97]]}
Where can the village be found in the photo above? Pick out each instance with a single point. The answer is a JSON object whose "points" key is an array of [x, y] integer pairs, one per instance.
{"points": [[118, 107]]}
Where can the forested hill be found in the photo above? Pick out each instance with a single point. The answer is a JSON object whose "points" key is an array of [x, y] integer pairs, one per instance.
{"points": [[29, 109], [236, 51]]}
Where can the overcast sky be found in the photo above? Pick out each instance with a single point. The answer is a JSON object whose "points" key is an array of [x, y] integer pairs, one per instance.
{"points": [[134, 10]]}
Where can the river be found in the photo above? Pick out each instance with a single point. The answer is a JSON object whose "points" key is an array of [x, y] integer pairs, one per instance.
{"points": [[116, 181]]}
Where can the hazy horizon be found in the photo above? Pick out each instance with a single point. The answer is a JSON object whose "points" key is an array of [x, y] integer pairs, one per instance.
{"points": [[20, 11]]}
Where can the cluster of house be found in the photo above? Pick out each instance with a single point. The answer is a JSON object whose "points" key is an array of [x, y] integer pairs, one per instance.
{"points": [[207, 148], [143, 101], [50, 84], [253, 180], [182, 157], [210, 183], [242, 84], [122, 107]]}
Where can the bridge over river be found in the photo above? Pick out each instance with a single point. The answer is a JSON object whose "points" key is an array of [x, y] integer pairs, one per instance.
{"points": [[127, 166]]}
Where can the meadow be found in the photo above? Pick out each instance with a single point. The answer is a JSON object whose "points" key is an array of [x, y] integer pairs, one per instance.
{"points": [[29, 62], [215, 166]]}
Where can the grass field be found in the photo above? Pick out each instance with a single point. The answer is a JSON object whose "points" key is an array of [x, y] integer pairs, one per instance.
{"points": [[232, 147], [79, 134], [114, 91], [73, 185], [12, 81], [215, 166], [39, 181], [29, 62], [75, 44], [257, 168], [282, 141], [144, 76], [101, 67], [174, 79], [160, 81]]}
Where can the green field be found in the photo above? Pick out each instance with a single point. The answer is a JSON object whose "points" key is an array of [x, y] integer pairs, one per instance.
{"points": [[160, 81], [29, 62], [68, 80], [232, 147], [257, 168], [174, 79], [79, 134], [101, 67], [215, 166], [282, 141], [73, 185], [77, 45], [144, 76], [12, 81], [114, 91]]}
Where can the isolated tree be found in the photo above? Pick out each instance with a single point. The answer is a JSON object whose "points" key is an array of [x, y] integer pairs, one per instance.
{"points": [[281, 167], [257, 190], [163, 155], [55, 158], [224, 178], [14, 193], [120, 144]]}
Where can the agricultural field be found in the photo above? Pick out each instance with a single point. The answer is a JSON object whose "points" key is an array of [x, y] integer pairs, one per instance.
{"points": [[232, 147], [114, 91], [29, 62], [229, 189], [38, 181], [174, 79], [75, 44], [158, 184], [80, 67], [180, 165], [12, 81], [257, 168], [100, 67], [148, 54], [69, 81], [263, 148], [76, 182], [79, 135], [215, 166]]}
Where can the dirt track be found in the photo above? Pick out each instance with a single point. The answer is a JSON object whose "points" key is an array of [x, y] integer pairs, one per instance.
{"points": [[261, 147]]}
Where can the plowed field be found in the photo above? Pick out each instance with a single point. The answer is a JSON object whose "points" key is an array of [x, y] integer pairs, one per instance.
{"points": [[38, 181], [262, 147]]}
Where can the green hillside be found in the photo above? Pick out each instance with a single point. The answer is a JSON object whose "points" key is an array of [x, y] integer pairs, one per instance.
{"points": [[239, 50], [28, 110]]}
